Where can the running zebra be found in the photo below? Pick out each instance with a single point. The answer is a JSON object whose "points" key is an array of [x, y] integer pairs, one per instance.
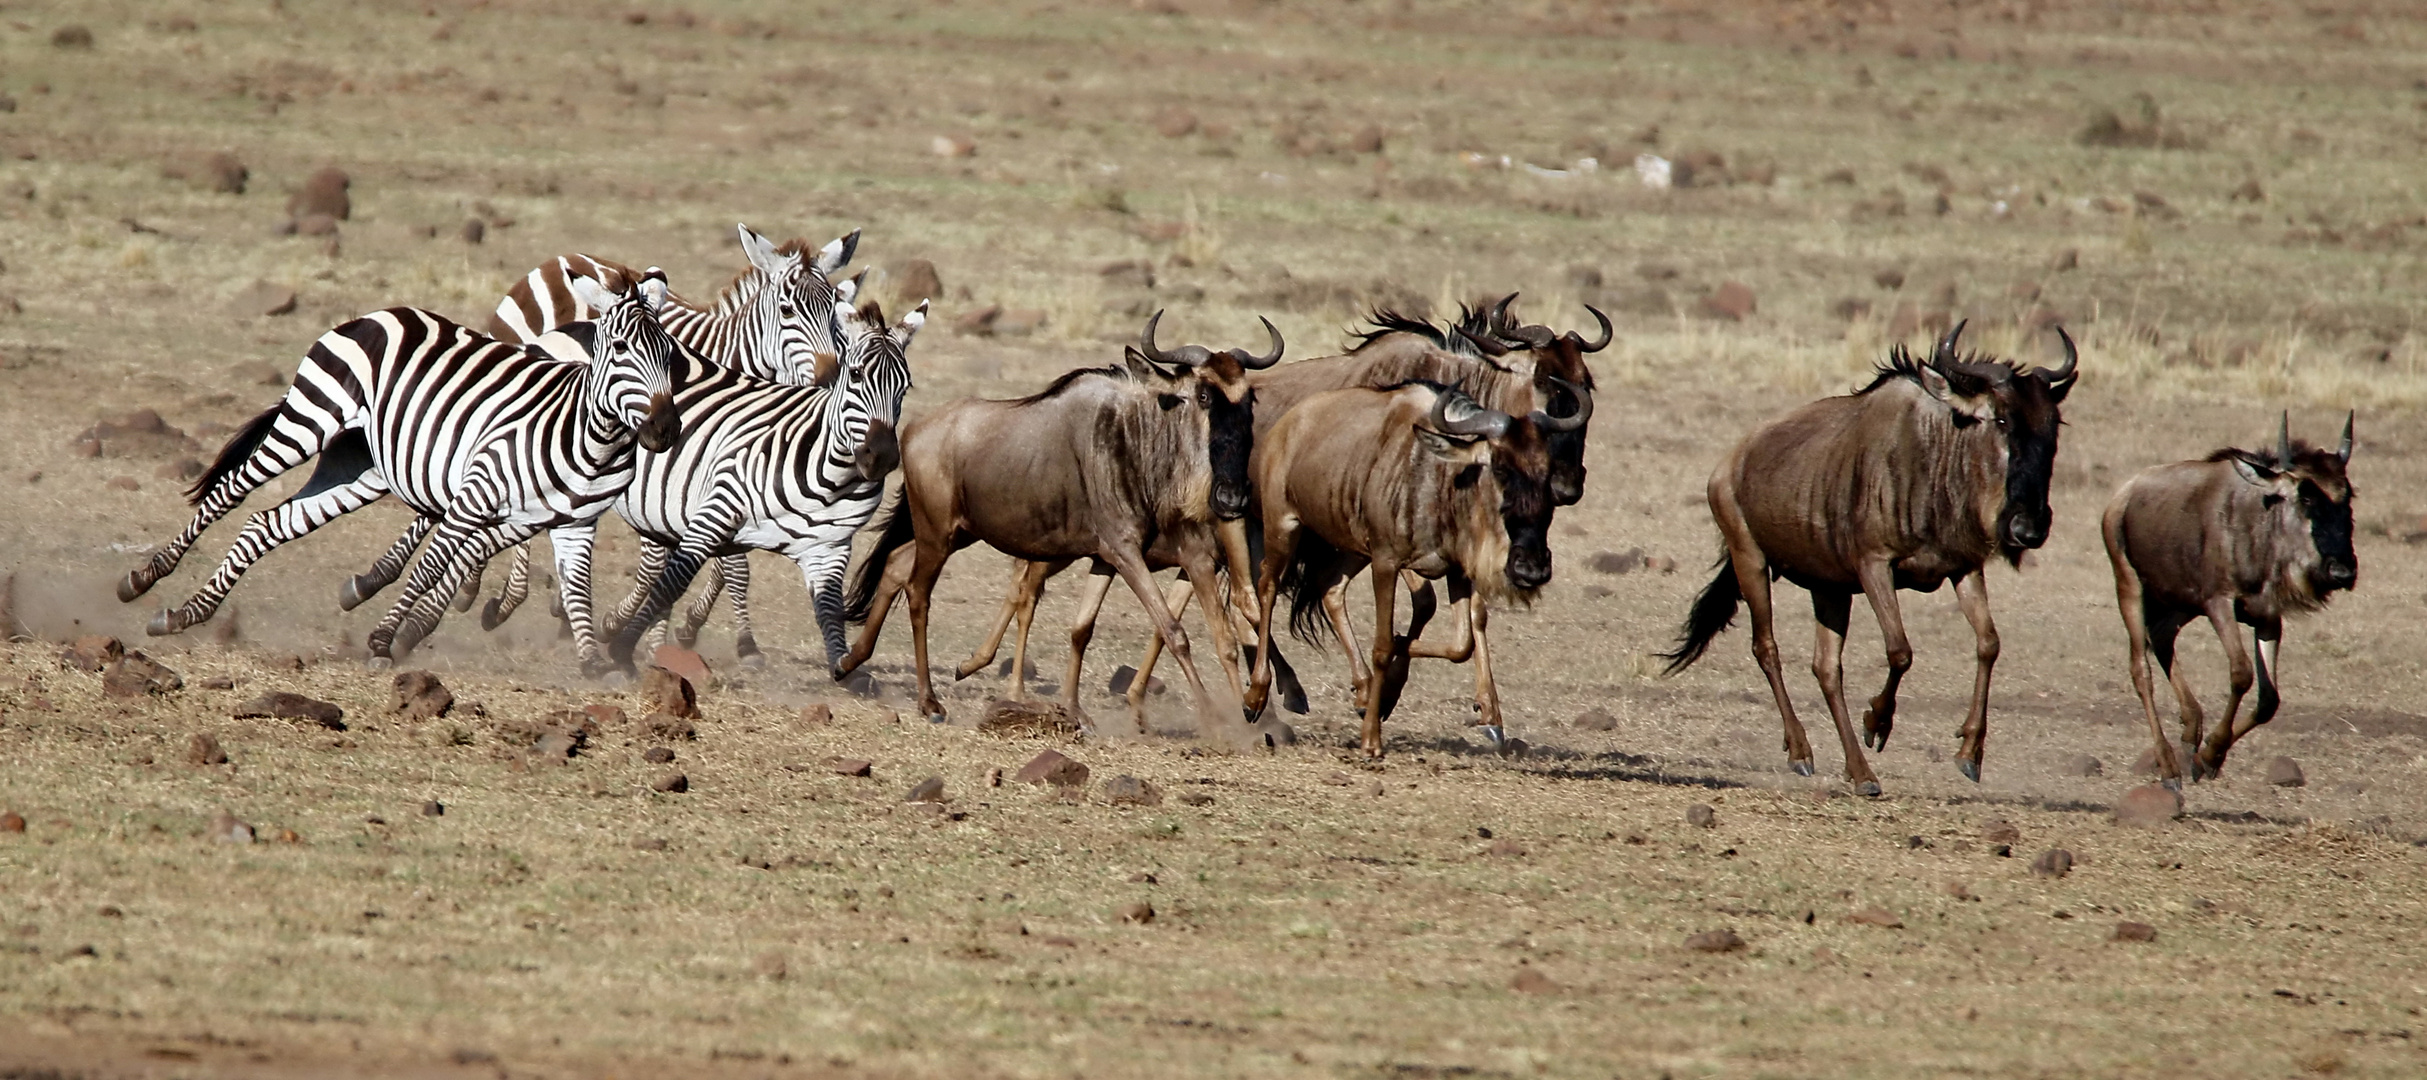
{"points": [[491, 441], [774, 322], [766, 467]]}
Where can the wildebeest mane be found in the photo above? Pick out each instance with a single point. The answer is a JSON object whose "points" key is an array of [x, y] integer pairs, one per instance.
{"points": [[1111, 371], [2265, 459], [1384, 322], [1903, 364]]}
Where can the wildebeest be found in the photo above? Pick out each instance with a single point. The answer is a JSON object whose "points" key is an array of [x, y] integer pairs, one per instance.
{"points": [[2235, 536], [1416, 477], [1936, 468], [1097, 465]]}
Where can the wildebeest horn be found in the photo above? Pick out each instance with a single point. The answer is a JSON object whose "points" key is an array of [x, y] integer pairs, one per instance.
{"points": [[1607, 332], [2064, 371], [2345, 452], [1499, 316], [1185, 355], [1584, 410], [1487, 345], [1945, 352], [1258, 363], [2283, 443], [1471, 419]]}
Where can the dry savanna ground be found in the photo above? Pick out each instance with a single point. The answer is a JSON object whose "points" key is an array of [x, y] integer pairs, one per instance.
{"points": [[2220, 200]]}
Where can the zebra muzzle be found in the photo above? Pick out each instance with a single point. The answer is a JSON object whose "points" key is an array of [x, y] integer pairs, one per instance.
{"points": [[662, 427]]}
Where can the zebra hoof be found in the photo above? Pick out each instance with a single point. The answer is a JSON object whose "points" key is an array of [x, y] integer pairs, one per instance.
{"points": [[379, 663], [754, 660], [1802, 768], [161, 625], [491, 615], [402, 644], [1868, 789], [132, 586], [1970, 770], [463, 600], [351, 594]]}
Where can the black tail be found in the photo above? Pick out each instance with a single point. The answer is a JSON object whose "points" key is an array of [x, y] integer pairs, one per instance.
{"points": [[1714, 612], [1315, 568], [232, 457], [893, 531]]}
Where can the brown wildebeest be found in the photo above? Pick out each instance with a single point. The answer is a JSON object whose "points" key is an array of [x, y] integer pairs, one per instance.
{"points": [[1416, 477], [1486, 354], [1936, 468], [2236, 536], [1096, 466]]}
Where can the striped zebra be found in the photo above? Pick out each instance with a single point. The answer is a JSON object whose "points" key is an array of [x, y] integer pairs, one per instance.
{"points": [[491, 441], [775, 322], [766, 467]]}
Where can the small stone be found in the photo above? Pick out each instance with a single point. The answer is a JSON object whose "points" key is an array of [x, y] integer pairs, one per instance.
{"points": [[1958, 890], [2249, 191], [1617, 562], [2053, 863], [1532, 981], [125, 483], [1506, 848], [2148, 806], [2081, 765], [1715, 941], [215, 171], [204, 749], [2068, 259], [1892, 277], [605, 716], [649, 843], [2135, 931], [92, 652], [1880, 917], [771, 966], [263, 298], [324, 192], [666, 692], [658, 755], [2285, 772], [930, 790], [1733, 300], [1175, 123], [136, 675], [671, 783], [474, 231], [1140, 913], [282, 705], [555, 746], [226, 829], [1051, 767], [1196, 798], [1701, 816], [2002, 851], [994, 777], [947, 146], [420, 696], [819, 715], [12, 822], [1275, 732], [1126, 790], [1125, 675], [685, 663], [2000, 831], [1367, 140], [1337, 779], [72, 37], [1596, 719], [433, 808], [843, 766], [668, 727]]}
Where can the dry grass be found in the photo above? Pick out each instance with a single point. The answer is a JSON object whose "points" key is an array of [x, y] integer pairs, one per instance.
{"points": [[1304, 927]]}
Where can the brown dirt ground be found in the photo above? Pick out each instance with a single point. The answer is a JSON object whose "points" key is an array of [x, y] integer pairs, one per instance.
{"points": [[1304, 926]]}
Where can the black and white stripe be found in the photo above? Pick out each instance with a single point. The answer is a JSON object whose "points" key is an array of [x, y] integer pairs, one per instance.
{"points": [[490, 441]]}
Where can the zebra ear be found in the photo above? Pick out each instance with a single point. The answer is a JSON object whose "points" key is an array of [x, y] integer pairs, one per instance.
{"points": [[837, 254], [848, 289], [653, 289], [762, 253], [909, 326]]}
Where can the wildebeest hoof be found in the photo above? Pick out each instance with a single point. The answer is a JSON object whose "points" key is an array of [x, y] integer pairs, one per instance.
{"points": [[1802, 768], [1868, 789], [2173, 784], [159, 626], [1293, 698], [1970, 770], [1492, 734], [129, 588]]}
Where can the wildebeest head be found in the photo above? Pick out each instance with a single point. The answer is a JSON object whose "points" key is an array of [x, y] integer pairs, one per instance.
{"points": [[1216, 384], [2024, 406], [1559, 365], [1515, 453], [2309, 491]]}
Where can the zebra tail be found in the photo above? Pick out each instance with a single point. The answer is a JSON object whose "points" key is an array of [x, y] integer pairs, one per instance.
{"points": [[893, 525], [239, 449]]}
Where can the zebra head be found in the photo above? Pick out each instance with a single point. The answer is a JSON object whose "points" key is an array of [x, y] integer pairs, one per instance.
{"points": [[791, 313], [632, 358], [874, 375]]}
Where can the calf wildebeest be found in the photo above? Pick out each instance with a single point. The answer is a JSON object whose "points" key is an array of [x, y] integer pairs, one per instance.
{"points": [[1936, 468], [1416, 477], [1098, 465], [2236, 536]]}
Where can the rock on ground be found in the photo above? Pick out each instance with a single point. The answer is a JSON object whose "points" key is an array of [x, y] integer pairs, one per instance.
{"points": [[1004, 716], [324, 192], [1701, 816], [282, 705], [2148, 806], [92, 652], [136, 675], [2285, 772], [1714, 941], [204, 749], [685, 663], [1052, 767], [664, 691], [1532, 981], [1126, 790], [2054, 862], [420, 696], [930, 790], [2000, 831]]}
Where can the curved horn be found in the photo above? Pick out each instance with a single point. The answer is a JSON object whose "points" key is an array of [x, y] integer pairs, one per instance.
{"points": [[2345, 452], [1946, 346], [1607, 332], [2283, 443], [1486, 345], [1146, 341], [1259, 363], [1584, 410], [1499, 316], [1534, 337], [2064, 371], [1473, 420]]}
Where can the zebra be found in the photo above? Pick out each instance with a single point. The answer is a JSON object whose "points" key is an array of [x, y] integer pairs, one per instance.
{"points": [[490, 440], [774, 322], [791, 469]]}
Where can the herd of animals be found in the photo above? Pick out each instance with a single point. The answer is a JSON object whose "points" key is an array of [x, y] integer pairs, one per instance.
{"points": [[770, 418]]}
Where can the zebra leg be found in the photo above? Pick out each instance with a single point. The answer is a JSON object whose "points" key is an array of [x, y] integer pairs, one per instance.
{"points": [[440, 572], [461, 562], [681, 565], [264, 533], [822, 570], [695, 614], [518, 588], [390, 566], [652, 564], [572, 544], [281, 438], [737, 592]]}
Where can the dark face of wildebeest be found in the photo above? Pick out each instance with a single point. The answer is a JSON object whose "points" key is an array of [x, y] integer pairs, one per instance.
{"points": [[2321, 497], [1558, 359], [2025, 405], [1221, 392], [1521, 466]]}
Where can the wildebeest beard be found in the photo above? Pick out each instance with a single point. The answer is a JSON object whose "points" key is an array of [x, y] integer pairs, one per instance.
{"points": [[1230, 439]]}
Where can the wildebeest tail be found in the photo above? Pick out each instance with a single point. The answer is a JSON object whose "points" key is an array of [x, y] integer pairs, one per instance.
{"points": [[232, 457], [1714, 611], [892, 525], [1314, 569]]}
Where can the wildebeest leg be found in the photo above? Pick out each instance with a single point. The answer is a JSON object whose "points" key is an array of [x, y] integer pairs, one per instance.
{"points": [[1388, 647], [2266, 636], [1753, 583], [2166, 625], [1831, 608], [1487, 692], [1175, 598], [1879, 587], [1280, 542], [1344, 633], [927, 563], [1204, 581], [2237, 663], [1972, 595], [2131, 600], [1131, 565], [1083, 630], [897, 576], [1461, 594], [1019, 601]]}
